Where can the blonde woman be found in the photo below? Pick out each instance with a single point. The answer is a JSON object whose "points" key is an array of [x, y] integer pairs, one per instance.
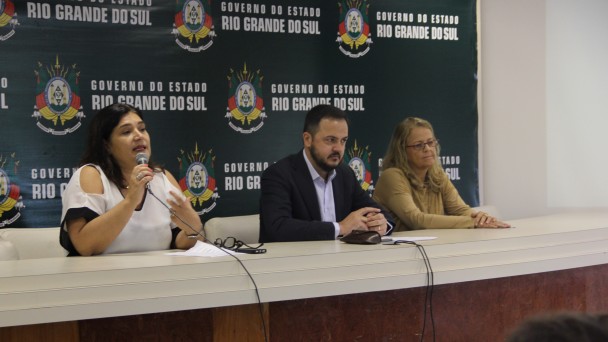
{"points": [[416, 190]]}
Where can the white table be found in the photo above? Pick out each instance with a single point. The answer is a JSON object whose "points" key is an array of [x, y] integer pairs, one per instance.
{"points": [[67, 289]]}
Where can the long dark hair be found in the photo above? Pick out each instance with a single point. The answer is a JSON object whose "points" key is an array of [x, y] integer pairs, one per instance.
{"points": [[100, 129]]}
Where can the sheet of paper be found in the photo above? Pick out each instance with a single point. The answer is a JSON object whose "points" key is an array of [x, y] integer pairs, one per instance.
{"points": [[413, 238], [204, 249]]}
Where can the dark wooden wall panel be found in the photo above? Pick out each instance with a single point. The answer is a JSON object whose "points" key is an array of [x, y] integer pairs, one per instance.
{"points": [[483, 310], [49, 332], [375, 316], [189, 325]]}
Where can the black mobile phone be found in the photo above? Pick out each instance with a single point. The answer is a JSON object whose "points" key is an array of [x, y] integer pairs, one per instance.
{"points": [[251, 250]]}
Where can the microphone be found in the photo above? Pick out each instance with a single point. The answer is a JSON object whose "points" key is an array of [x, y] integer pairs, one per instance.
{"points": [[142, 158]]}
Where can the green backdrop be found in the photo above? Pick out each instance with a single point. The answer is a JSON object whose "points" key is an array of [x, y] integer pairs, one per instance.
{"points": [[224, 87]]}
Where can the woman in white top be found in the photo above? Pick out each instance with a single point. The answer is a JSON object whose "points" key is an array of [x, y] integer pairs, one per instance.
{"points": [[106, 208]]}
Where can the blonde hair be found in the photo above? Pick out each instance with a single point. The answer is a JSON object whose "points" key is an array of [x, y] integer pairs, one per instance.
{"points": [[396, 155]]}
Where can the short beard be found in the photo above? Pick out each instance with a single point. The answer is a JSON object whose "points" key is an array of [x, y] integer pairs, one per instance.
{"points": [[321, 162]]}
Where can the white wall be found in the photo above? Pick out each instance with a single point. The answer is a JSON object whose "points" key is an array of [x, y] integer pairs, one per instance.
{"points": [[577, 103], [543, 76], [512, 109]]}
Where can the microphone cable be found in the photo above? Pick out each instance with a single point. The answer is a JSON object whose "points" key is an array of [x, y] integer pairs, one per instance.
{"points": [[430, 282], [257, 292]]}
